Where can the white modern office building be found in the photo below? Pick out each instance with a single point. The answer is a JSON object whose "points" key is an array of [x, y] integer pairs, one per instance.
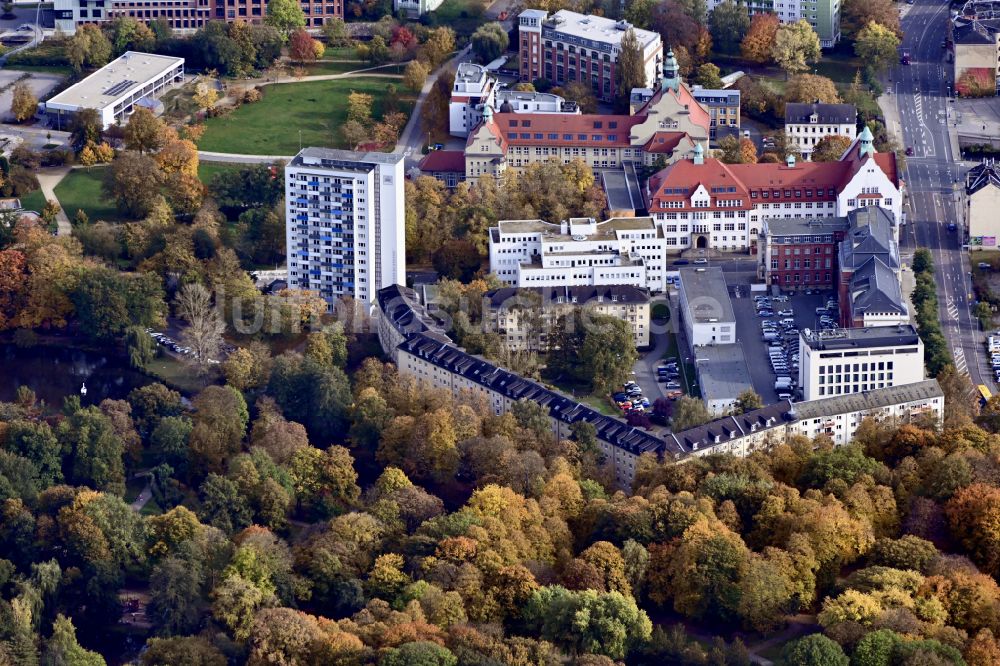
{"points": [[344, 222], [705, 307], [857, 360], [579, 252], [117, 88]]}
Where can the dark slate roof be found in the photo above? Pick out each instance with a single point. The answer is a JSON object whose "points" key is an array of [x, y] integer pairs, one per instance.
{"points": [[512, 386], [805, 227], [875, 288], [722, 430], [401, 306], [982, 175], [870, 236], [976, 31], [798, 113], [582, 295]]}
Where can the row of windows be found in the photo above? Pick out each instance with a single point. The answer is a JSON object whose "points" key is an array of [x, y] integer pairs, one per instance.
{"points": [[807, 263]]}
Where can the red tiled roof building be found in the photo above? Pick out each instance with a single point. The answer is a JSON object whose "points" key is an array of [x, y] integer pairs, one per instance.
{"points": [[704, 203]]}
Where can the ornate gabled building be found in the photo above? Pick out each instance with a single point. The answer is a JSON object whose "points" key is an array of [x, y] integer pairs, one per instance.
{"points": [[705, 203], [666, 127]]}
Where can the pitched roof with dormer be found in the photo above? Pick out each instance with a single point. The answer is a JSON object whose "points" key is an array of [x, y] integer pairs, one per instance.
{"points": [[774, 183]]}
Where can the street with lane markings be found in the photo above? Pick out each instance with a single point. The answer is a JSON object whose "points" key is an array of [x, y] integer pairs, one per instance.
{"points": [[934, 177]]}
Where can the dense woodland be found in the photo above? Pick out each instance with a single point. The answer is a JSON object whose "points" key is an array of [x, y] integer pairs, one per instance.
{"points": [[321, 510]]}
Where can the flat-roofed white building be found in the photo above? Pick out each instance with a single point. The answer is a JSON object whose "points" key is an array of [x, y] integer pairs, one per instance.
{"points": [[115, 89], [579, 252], [856, 360], [705, 307]]}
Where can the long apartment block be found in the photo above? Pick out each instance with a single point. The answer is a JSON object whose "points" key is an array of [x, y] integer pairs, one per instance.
{"points": [[420, 350]]}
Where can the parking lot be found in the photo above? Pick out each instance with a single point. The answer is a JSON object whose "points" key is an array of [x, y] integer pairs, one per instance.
{"points": [[40, 84], [748, 332]]}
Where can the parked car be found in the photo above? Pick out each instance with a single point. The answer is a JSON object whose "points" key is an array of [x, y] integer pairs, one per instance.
{"points": [[786, 313], [701, 260]]}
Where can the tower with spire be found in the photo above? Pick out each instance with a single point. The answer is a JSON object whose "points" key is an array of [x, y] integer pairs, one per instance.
{"points": [[671, 72], [866, 144]]}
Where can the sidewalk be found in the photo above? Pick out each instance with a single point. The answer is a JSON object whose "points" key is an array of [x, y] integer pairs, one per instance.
{"points": [[48, 181]]}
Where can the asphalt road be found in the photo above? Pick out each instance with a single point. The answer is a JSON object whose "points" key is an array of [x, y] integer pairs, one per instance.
{"points": [[921, 92]]}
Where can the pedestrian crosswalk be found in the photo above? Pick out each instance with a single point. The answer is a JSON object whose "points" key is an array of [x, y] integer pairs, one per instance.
{"points": [[960, 363], [952, 310]]}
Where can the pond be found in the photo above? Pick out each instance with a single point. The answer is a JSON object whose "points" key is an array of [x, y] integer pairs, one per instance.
{"points": [[56, 372]]}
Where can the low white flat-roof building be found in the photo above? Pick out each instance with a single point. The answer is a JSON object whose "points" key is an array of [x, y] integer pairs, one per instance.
{"points": [[579, 252], [705, 307], [722, 376], [114, 89]]}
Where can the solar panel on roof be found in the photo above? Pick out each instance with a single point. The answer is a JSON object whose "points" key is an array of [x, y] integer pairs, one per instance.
{"points": [[119, 88]]}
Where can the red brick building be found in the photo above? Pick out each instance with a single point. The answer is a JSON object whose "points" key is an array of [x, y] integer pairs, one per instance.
{"points": [[802, 253]]}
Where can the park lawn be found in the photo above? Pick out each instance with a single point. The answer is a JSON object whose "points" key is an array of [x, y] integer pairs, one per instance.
{"points": [[178, 375], [81, 189], [208, 170], [34, 201], [325, 66], [314, 110], [840, 67]]}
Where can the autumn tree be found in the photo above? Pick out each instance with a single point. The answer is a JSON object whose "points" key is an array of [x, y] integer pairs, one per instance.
{"points": [[205, 94], [88, 47], [303, 48], [748, 151], [415, 75], [856, 14], [830, 148], [285, 15], [795, 46], [688, 413], [810, 88], [133, 182], [729, 24], [335, 31], [247, 367], [814, 650], [24, 103], [220, 422], [630, 70], [592, 348], [974, 517], [489, 42], [145, 132], [62, 647], [205, 325], [708, 74], [609, 624], [758, 44], [877, 46]]}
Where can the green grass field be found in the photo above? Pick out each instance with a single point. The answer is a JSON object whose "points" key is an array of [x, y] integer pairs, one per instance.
{"points": [[207, 170], [34, 201], [81, 189], [317, 109], [322, 67]]}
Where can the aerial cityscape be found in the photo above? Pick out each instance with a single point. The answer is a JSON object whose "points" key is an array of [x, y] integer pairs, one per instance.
{"points": [[498, 333]]}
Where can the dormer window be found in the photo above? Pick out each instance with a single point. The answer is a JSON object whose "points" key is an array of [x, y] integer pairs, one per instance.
{"points": [[814, 118]]}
